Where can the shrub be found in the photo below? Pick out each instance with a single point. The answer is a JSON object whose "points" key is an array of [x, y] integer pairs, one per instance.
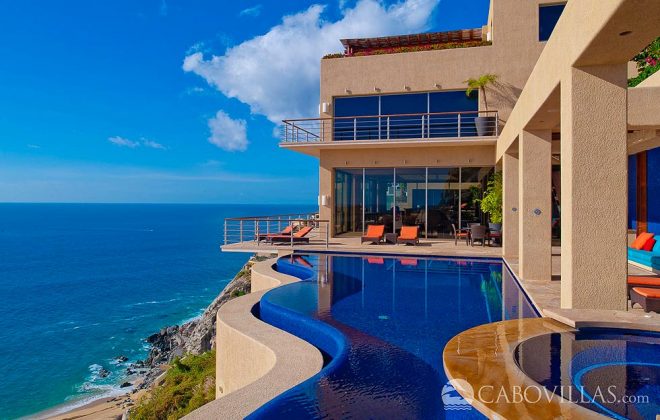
{"points": [[648, 62], [188, 384], [492, 201]]}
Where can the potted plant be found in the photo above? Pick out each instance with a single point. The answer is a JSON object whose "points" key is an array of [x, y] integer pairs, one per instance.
{"points": [[485, 125], [492, 201]]}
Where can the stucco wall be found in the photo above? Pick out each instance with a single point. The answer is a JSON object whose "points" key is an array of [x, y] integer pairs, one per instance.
{"points": [[512, 57]]}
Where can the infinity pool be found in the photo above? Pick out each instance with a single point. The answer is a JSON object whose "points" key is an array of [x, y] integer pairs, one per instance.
{"points": [[381, 324]]}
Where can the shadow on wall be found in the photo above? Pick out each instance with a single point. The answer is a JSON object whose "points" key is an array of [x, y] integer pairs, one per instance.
{"points": [[504, 94]]}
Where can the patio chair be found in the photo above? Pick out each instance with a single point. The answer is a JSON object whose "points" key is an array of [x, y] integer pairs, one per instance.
{"points": [[460, 234], [652, 282], [299, 236], [648, 298], [478, 233], [409, 235], [286, 231], [374, 234]]}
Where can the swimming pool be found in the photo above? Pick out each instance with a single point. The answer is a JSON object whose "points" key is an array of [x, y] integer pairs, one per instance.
{"points": [[613, 372], [381, 323]]}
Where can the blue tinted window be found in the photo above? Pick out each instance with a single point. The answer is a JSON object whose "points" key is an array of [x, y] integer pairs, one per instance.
{"points": [[548, 17], [404, 127], [356, 129], [447, 125]]}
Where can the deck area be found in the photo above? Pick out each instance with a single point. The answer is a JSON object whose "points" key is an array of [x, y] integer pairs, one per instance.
{"points": [[431, 247]]}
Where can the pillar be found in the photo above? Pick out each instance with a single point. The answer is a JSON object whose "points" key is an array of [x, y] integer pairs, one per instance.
{"points": [[594, 188], [510, 206], [535, 201]]}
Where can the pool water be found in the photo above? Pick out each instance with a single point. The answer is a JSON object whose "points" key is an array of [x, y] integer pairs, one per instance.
{"points": [[382, 324], [612, 372]]}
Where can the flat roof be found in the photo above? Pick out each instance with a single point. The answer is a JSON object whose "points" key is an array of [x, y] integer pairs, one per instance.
{"points": [[427, 38]]}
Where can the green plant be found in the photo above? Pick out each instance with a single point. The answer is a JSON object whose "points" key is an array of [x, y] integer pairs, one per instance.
{"points": [[648, 62], [188, 384], [492, 201], [480, 84]]}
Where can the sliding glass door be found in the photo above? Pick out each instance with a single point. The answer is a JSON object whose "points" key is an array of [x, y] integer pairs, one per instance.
{"points": [[379, 195], [431, 198], [443, 201]]}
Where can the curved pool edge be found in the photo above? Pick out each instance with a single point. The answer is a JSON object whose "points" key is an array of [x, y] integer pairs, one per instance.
{"points": [[480, 362], [256, 361]]}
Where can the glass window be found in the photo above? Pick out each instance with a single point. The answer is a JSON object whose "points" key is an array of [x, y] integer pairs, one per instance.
{"points": [[379, 197], [352, 128], [473, 184], [410, 206], [548, 18], [403, 127], [443, 201], [348, 201], [454, 101]]}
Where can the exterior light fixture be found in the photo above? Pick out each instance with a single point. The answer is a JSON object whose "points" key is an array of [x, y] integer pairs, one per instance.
{"points": [[348, 91], [325, 107], [376, 89], [406, 87], [625, 33], [437, 85]]}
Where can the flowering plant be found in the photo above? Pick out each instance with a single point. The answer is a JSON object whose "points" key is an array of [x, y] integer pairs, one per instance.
{"points": [[648, 62]]}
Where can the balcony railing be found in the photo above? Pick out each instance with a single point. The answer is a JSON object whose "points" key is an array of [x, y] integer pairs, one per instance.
{"points": [[273, 230], [435, 125]]}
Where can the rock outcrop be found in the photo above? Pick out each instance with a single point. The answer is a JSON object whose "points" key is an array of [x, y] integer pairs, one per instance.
{"points": [[196, 336]]}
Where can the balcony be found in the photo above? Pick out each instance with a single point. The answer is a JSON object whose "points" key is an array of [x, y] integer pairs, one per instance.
{"points": [[380, 130]]}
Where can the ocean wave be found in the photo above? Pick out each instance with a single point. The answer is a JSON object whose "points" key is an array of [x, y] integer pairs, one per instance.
{"points": [[154, 302]]}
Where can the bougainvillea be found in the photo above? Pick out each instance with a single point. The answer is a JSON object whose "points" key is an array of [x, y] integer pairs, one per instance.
{"points": [[414, 48], [648, 62]]}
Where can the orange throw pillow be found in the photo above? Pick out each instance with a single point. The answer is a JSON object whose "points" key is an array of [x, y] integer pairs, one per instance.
{"points": [[641, 240], [648, 246]]}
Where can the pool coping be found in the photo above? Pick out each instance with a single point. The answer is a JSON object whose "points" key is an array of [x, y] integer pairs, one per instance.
{"points": [[482, 358], [255, 362]]}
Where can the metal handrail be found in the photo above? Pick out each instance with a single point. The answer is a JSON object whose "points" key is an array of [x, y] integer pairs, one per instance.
{"points": [[253, 229], [428, 125]]}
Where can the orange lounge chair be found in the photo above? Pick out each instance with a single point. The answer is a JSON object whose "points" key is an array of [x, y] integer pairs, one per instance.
{"points": [[409, 261], [408, 235], [286, 231], [298, 259], [647, 297], [374, 234], [373, 260], [299, 236], [643, 281]]}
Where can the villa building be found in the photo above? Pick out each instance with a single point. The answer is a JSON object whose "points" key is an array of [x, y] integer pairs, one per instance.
{"points": [[403, 142]]}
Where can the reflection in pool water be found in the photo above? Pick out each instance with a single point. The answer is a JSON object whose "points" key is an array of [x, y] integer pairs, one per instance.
{"points": [[382, 323], [616, 373]]}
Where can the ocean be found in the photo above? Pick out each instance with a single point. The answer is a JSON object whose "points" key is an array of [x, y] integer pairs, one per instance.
{"points": [[81, 284]]}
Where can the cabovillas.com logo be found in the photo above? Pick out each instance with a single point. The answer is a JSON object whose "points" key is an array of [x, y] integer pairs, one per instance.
{"points": [[452, 400]]}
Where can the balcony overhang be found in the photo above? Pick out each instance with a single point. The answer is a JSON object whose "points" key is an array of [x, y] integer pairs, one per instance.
{"points": [[314, 148]]}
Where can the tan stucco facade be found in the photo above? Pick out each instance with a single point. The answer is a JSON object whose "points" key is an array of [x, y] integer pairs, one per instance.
{"points": [[561, 102]]}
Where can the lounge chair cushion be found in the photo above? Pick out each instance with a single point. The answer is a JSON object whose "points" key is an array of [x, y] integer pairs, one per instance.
{"points": [[641, 239], [648, 292], [644, 280], [408, 232], [375, 231], [648, 246]]}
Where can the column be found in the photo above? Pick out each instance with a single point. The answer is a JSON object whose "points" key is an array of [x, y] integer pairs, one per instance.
{"points": [[535, 200], [510, 206], [594, 188]]}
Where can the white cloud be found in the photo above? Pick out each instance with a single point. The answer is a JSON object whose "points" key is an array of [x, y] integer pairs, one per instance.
{"points": [[251, 11], [33, 146], [227, 133], [152, 144], [277, 74], [122, 142]]}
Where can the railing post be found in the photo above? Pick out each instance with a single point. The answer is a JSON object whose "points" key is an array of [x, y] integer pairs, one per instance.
{"points": [[354, 128], [241, 231], [322, 130], [459, 125], [225, 232], [388, 128], [497, 123], [327, 235], [422, 126], [256, 231]]}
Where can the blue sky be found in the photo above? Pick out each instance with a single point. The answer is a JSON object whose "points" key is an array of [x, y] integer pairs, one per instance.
{"points": [[176, 101]]}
